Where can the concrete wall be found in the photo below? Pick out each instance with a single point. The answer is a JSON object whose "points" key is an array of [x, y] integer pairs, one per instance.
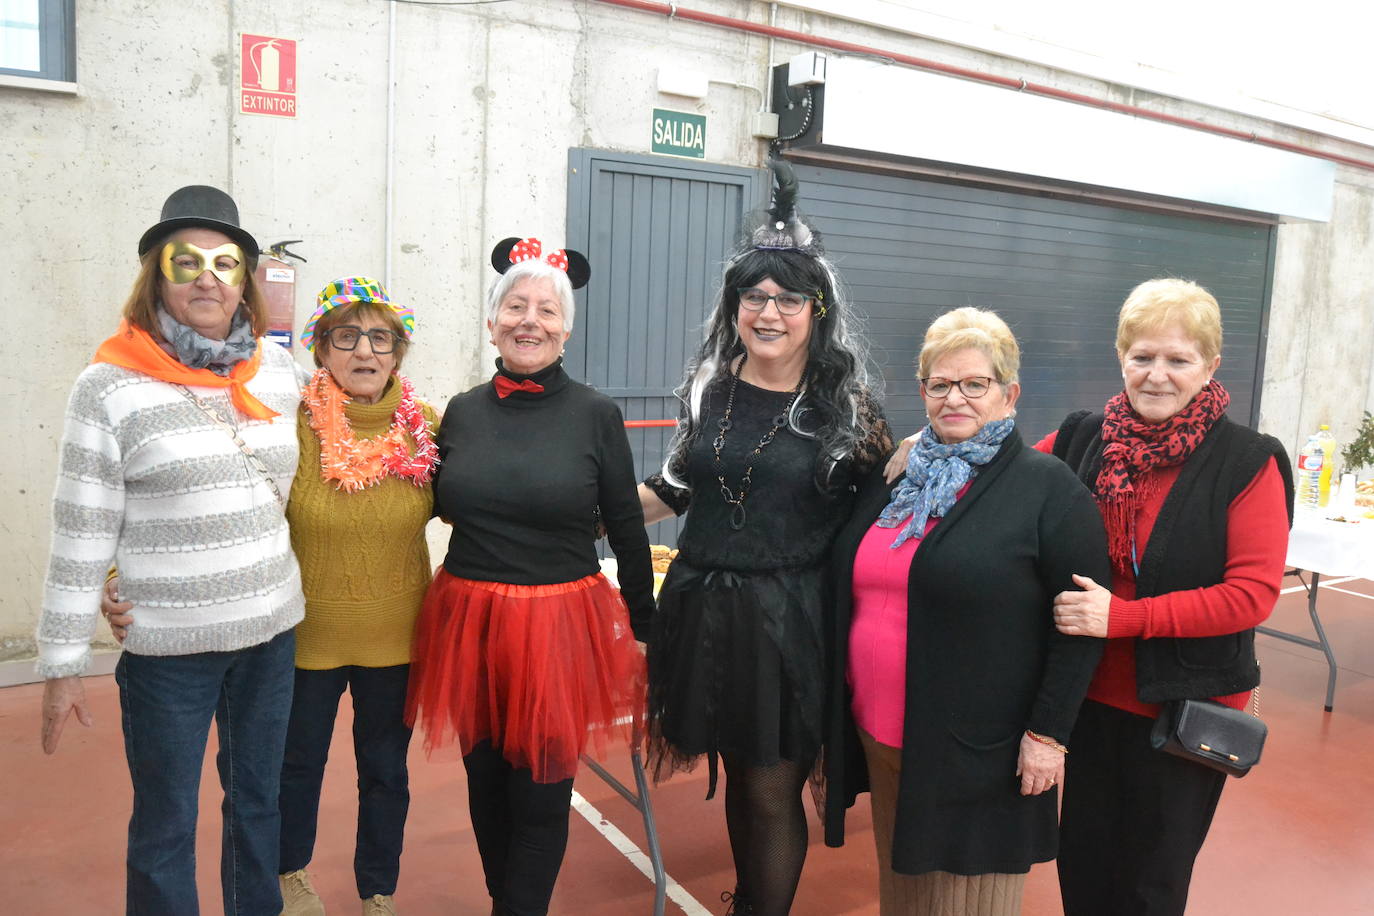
{"points": [[488, 101], [1320, 363]]}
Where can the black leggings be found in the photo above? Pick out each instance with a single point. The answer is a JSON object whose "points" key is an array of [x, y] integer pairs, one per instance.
{"points": [[521, 828], [766, 819]]}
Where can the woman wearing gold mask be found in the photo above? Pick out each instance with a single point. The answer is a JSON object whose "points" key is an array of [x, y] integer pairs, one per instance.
{"points": [[177, 457]]}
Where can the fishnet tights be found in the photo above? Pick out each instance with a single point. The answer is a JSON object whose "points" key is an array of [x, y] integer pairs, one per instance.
{"points": [[768, 836]]}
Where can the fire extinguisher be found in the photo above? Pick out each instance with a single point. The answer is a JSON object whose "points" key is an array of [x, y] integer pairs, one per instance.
{"points": [[276, 279], [267, 64]]}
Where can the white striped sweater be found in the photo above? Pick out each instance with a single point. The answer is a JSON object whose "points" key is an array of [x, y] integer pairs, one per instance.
{"points": [[146, 481]]}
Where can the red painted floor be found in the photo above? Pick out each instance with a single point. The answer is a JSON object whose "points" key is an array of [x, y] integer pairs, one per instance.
{"points": [[1294, 837]]}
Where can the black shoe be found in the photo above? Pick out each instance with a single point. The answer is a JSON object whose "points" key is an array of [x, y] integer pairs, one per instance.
{"points": [[739, 904]]}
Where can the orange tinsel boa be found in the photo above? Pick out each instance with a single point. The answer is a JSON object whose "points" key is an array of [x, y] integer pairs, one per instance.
{"points": [[134, 348], [355, 464]]}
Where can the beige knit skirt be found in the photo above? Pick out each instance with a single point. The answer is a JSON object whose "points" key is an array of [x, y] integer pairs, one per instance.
{"points": [[936, 893]]}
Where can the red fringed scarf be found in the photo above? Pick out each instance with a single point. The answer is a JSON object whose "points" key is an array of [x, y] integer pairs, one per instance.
{"points": [[1131, 448], [355, 464]]}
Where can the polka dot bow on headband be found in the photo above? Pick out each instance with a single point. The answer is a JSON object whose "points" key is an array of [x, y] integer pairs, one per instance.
{"points": [[512, 251], [348, 291]]}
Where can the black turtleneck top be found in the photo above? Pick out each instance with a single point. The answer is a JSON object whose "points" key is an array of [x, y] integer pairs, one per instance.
{"points": [[521, 477]]}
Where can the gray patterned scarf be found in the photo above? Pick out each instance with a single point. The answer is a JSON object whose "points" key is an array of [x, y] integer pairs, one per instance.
{"points": [[935, 472], [197, 352]]}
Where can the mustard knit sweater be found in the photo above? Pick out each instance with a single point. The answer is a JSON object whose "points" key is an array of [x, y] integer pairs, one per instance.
{"points": [[363, 557]]}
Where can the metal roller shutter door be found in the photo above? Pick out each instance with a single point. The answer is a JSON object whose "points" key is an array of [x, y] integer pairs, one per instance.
{"points": [[1056, 270]]}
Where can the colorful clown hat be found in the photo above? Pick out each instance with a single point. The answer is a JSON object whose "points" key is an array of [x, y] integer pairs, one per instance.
{"points": [[348, 291]]}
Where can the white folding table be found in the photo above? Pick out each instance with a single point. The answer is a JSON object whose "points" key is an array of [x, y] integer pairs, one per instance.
{"points": [[1318, 546]]}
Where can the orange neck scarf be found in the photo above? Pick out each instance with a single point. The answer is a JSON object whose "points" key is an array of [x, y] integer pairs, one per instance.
{"points": [[134, 348]]}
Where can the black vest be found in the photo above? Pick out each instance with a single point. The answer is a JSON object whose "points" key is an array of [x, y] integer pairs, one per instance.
{"points": [[1187, 549]]}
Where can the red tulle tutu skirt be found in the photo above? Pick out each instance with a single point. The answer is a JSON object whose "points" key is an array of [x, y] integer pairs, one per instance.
{"points": [[540, 671]]}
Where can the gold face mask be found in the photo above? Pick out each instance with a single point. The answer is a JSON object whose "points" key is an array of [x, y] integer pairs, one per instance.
{"points": [[183, 262]]}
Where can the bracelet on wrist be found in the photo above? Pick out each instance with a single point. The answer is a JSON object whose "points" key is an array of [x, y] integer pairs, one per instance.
{"points": [[1047, 741]]}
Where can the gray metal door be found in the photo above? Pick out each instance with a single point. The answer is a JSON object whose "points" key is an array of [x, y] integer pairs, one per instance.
{"points": [[1056, 270], [657, 232]]}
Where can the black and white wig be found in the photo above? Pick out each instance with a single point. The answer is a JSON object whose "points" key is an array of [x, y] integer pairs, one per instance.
{"points": [[788, 251]]}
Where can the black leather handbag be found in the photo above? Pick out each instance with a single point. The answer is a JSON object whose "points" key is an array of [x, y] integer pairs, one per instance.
{"points": [[1228, 740]]}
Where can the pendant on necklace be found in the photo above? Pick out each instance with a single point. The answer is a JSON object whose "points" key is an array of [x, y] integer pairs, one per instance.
{"points": [[737, 517]]}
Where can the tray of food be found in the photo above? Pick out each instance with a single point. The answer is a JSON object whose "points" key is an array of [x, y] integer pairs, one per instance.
{"points": [[662, 558]]}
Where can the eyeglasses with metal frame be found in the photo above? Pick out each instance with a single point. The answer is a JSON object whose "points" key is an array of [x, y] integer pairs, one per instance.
{"points": [[347, 336], [787, 302], [973, 387]]}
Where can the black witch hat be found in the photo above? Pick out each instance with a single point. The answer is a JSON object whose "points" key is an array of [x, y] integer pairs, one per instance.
{"points": [[781, 227]]}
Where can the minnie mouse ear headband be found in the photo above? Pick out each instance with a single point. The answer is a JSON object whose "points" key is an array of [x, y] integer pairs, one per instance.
{"points": [[511, 251], [780, 227], [348, 291], [200, 206]]}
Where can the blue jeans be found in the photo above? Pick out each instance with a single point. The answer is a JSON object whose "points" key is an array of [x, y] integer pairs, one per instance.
{"points": [[380, 742], [167, 704]]}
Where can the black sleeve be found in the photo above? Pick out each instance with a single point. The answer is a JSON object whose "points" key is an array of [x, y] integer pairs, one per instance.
{"points": [[676, 498], [679, 499], [873, 451], [441, 438], [623, 517], [1072, 541]]}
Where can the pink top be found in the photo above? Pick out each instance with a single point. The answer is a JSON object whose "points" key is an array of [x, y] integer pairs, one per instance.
{"points": [[877, 633]]}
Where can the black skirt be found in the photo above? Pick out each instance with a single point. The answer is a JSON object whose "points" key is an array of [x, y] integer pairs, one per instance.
{"points": [[736, 667]]}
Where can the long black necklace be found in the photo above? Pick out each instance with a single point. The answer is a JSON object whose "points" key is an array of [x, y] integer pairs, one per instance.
{"points": [[737, 515]]}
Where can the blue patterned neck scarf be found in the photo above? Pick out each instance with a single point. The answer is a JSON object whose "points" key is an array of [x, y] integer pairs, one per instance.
{"points": [[935, 472], [197, 352]]}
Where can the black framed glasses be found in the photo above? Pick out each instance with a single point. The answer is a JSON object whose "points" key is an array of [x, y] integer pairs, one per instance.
{"points": [[788, 302], [346, 337], [973, 387]]}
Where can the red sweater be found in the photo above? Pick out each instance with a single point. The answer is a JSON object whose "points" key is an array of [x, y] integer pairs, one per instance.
{"points": [[1256, 550]]}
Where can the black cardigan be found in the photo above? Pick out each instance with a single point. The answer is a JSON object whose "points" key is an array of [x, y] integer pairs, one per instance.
{"points": [[984, 663]]}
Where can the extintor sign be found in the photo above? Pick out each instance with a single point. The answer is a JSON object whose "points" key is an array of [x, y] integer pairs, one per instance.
{"points": [[267, 76]]}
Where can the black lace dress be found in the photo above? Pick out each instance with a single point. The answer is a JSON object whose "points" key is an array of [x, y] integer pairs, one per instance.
{"points": [[736, 660]]}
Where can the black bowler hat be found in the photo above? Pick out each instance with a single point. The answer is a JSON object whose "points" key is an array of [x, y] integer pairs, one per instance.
{"points": [[204, 207]]}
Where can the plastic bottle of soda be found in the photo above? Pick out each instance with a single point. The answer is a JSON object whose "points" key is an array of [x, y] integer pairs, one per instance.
{"points": [[1311, 460], [1328, 444]]}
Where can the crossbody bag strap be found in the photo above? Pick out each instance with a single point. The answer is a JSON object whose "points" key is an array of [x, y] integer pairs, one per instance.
{"points": [[248, 452]]}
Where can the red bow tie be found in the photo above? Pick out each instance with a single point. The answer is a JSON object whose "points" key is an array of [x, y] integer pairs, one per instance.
{"points": [[504, 386]]}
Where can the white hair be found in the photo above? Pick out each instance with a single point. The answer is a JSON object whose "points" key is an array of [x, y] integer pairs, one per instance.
{"points": [[533, 269]]}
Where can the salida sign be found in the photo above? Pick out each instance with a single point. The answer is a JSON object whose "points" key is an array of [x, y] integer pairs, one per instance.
{"points": [[679, 133], [267, 76]]}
